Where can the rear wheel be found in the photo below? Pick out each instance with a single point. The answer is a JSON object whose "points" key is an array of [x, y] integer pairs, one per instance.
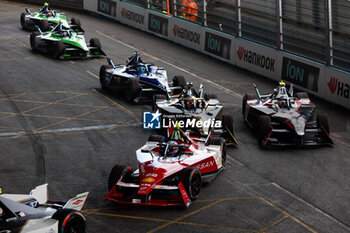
{"points": [[70, 220], [44, 25], [192, 182], [179, 81], [94, 42], [23, 19], [75, 21], [103, 75], [322, 122], [157, 97], [133, 88], [220, 142], [264, 127], [115, 175], [58, 49], [33, 40]]}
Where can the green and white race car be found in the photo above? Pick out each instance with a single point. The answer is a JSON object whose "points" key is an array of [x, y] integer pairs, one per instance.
{"points": [[65, 43], [46, 19]]}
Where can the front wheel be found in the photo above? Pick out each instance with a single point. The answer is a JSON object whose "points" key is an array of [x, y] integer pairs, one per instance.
{"points": [[33, 40], [322, 122], [94, 42], [103, 73], [115, 174], [192, 182], [58, 49], [70, 220]]}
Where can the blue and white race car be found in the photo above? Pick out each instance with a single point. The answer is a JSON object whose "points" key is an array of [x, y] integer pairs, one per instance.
{"points": [[138, 79], [34, 213]]}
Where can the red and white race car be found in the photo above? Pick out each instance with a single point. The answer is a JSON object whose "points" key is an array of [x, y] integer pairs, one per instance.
{"points": [[170, 170]]}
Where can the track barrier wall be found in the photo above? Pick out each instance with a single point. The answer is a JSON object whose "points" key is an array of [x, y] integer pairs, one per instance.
{"points": [[316, 78]]}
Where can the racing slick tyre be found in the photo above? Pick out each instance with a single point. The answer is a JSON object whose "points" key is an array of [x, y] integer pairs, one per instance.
{"points": [[302, 95], [44, 25], [179, 81], [75, 21], [70, 220], [227, 122], [264, 127], [220, 142], [210, 96], [322, 122], [133, 88], [58, 49], [115, 175], [156, 138], [23, 19], [192, 182], [246, 97], [32, 40], [157, 97], [94, 42], [103, 76]]}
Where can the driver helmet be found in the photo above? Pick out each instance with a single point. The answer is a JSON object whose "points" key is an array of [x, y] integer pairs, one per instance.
{"points": [[172, 150], [48, 14], [282, 103], [189, 89], [141, 68], [190, 103]]}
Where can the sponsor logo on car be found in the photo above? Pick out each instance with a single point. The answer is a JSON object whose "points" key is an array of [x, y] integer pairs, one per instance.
{"points": [[217, 45], [205, 165], [256, 59], [148, 179], [340, 88], [186, 34], [300, 73], [158, 24], [132, 16]]}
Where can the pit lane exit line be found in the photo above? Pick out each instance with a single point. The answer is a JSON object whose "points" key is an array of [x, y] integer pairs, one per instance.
{"points": [[177, 67]]}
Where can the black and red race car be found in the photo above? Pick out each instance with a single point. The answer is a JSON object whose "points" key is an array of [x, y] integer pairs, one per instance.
{"points": [[170, 170], [285, 119]]}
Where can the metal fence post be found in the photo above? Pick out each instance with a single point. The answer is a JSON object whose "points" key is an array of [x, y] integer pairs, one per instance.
{"points": [[148, 4], [175, 7], [279, 39], [329, 32], [205, 13], [239, 19]]}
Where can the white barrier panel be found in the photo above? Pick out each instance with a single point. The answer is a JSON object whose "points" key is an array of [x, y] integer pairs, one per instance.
{"points": [[218, 45], [304, 73], [132, 15], [158, 24], [186, 33], [104, 7], [259, 59], [336, 86]]}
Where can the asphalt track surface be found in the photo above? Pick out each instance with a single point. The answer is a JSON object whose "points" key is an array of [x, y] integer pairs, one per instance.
{"points": [[57, 126]]}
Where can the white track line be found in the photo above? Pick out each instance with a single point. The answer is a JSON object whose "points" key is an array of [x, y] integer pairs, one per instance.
{"points": [[177, 67], [63, 130], [312, 206], [92, 74]]}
